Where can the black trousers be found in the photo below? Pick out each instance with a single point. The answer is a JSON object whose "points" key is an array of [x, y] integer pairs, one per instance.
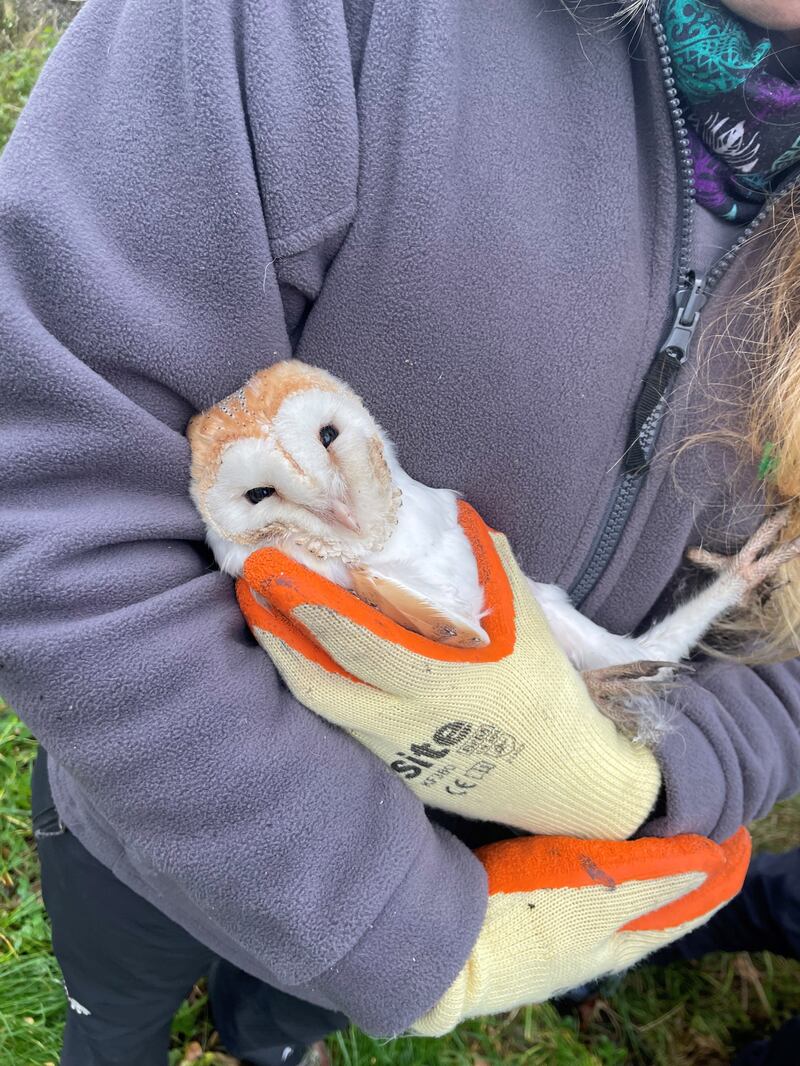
{"points": [[127, 967]]}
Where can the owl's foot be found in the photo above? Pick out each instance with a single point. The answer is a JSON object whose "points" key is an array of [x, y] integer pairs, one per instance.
{"points": [[759, 559], [629, 695], [610, 684]]}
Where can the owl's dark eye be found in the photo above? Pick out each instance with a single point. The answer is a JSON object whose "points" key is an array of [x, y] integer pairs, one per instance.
{"points": [[257, 495], [328, 435]]}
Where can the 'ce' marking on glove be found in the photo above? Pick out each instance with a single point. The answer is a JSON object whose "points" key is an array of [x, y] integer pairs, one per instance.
{"points": [[458, 783]]}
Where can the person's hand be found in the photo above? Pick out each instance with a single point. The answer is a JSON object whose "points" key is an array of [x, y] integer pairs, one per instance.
{"points": [[505, 733], [563, 911]]}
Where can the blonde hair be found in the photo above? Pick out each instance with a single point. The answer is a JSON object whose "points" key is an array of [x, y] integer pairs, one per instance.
{"points": [[771, 424]]}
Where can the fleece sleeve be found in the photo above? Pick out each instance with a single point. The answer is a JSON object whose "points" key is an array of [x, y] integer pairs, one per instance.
{"points": [[168, 204], [733, 750]]}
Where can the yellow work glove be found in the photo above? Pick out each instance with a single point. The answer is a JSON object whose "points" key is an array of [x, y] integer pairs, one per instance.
{"points": [[563, 911], [505, 733]]}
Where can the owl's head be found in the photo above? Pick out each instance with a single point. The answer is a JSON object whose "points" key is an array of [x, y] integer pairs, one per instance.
{"points": [[292, 457]]}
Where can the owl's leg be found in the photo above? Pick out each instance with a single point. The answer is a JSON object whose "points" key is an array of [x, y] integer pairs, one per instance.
{"points": [[738, 575], [590, 646], [586, 644]]}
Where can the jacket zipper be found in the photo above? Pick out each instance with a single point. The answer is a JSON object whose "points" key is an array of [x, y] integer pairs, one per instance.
{"points": [[693, 290]]}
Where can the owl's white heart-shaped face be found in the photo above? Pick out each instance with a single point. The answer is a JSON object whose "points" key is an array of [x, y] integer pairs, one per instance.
{"points": [[293, 458]]}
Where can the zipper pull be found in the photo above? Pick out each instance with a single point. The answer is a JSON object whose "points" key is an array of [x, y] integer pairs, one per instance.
{"points": [[689, 302]]}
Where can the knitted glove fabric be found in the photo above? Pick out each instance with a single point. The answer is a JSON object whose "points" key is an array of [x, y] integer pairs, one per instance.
{"points": [[505, 733], [562, 912]]}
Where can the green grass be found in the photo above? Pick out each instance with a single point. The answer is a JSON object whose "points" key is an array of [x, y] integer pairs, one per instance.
{"points": [[21, 59], [684, 1015], [31, 996]]}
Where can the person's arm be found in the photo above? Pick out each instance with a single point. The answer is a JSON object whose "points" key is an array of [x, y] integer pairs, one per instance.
{"points": [[174, 190], [733, 750]]}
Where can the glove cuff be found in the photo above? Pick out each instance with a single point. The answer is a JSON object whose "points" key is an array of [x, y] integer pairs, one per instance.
{"points": [[451, 1009]]}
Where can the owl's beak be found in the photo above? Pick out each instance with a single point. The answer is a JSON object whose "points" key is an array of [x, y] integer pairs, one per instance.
{"points": [[341, 512]]}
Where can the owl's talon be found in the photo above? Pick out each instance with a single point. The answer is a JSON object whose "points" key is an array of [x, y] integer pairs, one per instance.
{"points": [[758, 560], [610, 684]]}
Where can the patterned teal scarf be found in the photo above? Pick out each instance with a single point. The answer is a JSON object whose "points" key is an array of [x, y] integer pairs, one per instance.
{"points": [[743, 107]]}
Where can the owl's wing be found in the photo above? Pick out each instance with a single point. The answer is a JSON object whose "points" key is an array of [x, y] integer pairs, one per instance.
{"points": [[415, 611]]}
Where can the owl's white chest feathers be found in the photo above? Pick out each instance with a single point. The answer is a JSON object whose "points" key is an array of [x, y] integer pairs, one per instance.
{"points": [[428, 551]]}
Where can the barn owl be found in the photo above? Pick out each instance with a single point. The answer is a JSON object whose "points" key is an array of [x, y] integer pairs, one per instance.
{"points": [[294, 460]]}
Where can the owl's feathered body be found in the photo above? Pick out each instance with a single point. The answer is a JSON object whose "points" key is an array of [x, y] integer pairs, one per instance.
{"points": [[294, 460]]}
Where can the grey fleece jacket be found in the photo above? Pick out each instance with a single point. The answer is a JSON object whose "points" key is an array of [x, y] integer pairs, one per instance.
{"points": [[469, 211]]}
